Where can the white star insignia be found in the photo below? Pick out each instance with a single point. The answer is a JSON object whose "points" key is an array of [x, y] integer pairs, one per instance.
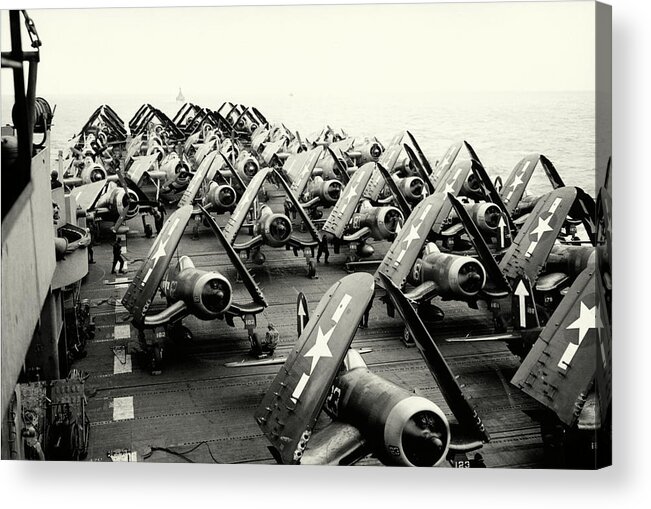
{"points": [[543, 226], [412, 235], [320, 348], [160, 251], [516, 182], [588, 319]]}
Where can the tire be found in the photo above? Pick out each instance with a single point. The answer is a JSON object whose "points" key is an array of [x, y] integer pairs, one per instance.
{"points": [[311, 269], [148, 231]]}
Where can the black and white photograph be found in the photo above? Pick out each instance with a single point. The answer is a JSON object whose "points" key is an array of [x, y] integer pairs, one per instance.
{"points": [[364, 235]]}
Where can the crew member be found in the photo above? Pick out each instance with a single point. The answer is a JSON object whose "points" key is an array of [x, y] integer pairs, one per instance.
{"points": [[54, 180], [117, 256]]}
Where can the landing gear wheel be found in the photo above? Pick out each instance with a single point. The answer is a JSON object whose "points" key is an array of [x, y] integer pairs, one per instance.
{"points": [[347, 263], [148, 231], [156, 359], [311, 269], [406, 338]]}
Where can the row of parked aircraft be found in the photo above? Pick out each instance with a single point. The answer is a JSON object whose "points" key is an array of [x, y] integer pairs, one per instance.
{"points": [[539, 264]]}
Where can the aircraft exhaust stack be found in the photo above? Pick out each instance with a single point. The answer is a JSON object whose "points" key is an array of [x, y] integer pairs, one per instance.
{"points": [[407, 430], [455, 276], [206, 294]]}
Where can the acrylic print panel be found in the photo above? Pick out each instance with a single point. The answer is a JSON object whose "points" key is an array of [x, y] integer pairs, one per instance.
{"points": [[277, 242]]}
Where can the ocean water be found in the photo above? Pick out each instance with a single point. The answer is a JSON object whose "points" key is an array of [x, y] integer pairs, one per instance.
{"points": [[501, 126]]}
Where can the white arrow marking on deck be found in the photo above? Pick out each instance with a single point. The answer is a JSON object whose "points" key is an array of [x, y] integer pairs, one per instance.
{"points": [[522, 293], [588, 319], [501, 225], [302, 314]]}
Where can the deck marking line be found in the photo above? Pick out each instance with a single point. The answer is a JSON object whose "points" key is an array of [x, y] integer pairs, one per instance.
{"points": [[122, 332], [121, 364], [123, 408]]}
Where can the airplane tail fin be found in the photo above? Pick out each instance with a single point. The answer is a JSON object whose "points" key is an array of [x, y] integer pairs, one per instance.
{"points": [[496, 279]]}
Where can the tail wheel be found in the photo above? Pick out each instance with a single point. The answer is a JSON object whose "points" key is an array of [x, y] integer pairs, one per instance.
{"points": [[311, 269], [148, 231]]}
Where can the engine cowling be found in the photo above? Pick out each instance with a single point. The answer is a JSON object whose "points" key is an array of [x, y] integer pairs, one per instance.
{"points": [[455, 276], [174, 167], [220, 197], [247, 166], [404, 429], [92, 172], [328, 191], [128, 200], [275, 228], [471, 187], [207, 294], [383, 221], [367, 153], [412, 188], [570, 260], [485, 215]]}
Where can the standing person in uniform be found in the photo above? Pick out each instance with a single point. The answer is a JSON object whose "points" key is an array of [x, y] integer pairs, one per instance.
{"points": [[117, 256], [91, 254]]}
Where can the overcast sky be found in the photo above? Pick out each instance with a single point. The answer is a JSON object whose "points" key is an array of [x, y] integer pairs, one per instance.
{"points": [[338, 50]]}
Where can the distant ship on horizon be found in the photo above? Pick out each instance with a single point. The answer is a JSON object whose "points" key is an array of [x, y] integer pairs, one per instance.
{"points": [[180, 97]]}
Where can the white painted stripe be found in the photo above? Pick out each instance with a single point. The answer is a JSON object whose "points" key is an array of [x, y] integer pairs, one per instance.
{"points": [[121, 279], [122, 285], [119, 308], [123, 408], [341, 308], [531, 248], [144, 280], [300, 387], [128, 456], [121, 364], [122, 332], [555, 205]]}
